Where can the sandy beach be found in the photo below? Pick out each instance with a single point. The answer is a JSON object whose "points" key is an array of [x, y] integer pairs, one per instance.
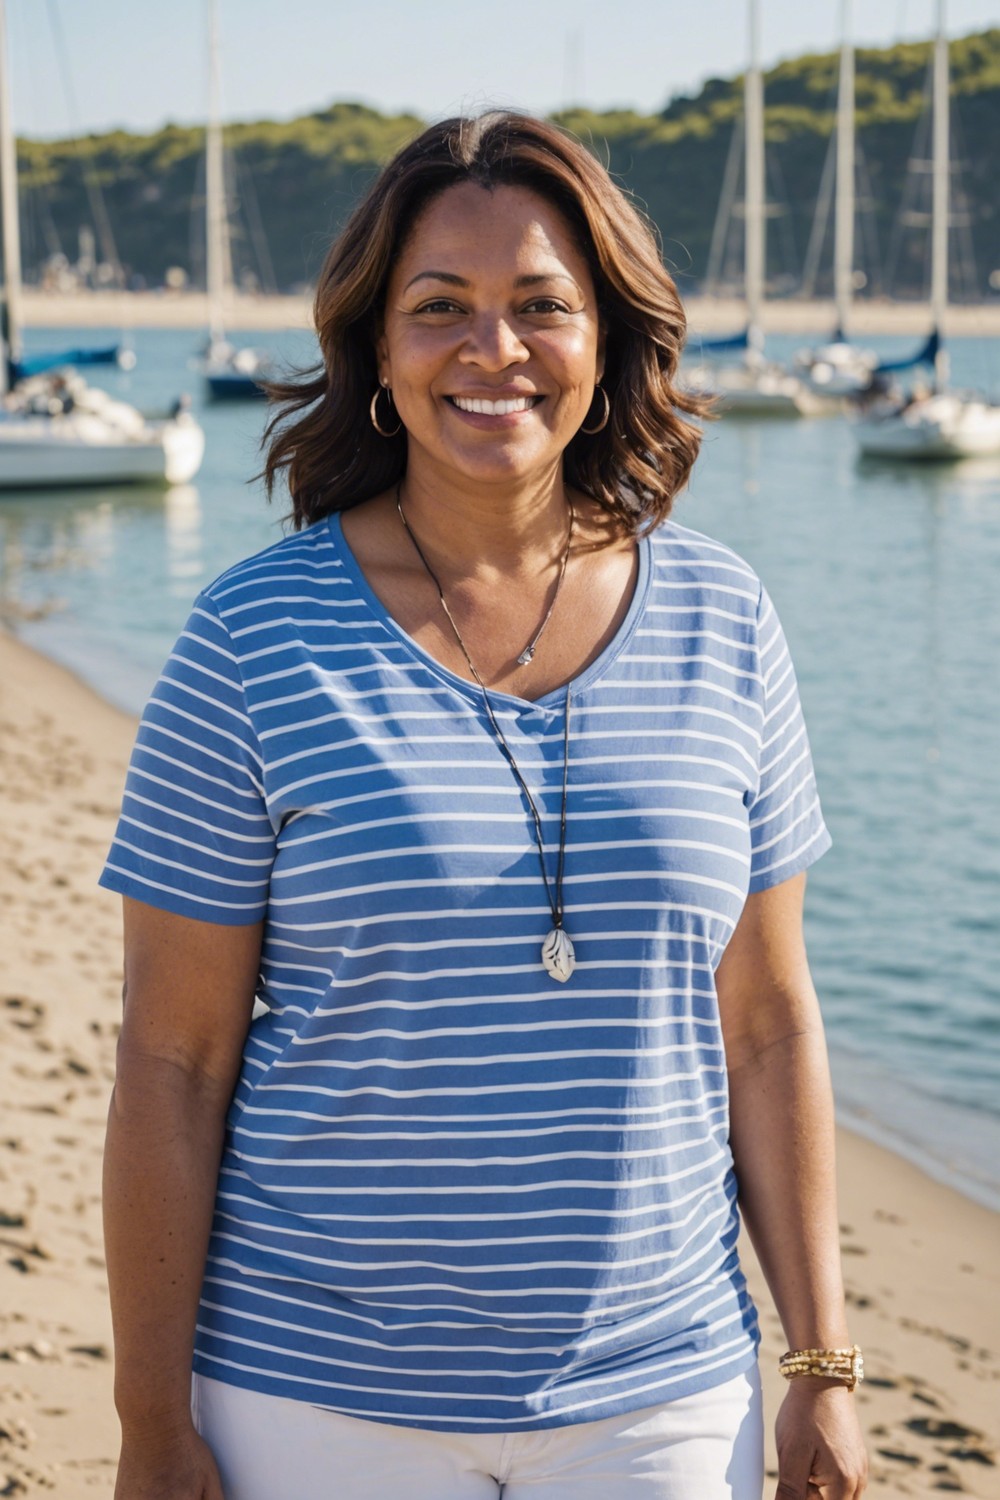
{"points": [[716, 315], [922, 1262]]}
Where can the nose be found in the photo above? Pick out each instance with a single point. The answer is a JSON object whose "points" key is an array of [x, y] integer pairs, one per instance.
{"points": [[492, 343]]}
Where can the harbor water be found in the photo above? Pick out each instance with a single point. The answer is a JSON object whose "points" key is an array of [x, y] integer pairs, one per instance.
{"points": [[887, 578]]}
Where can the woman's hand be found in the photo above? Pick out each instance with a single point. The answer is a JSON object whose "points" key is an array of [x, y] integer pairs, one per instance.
{"points": [[820, 1448], [180, 1467]]}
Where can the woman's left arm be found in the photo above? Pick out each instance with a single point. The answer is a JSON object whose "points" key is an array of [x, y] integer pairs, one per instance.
{"points": [[782, 1137]]}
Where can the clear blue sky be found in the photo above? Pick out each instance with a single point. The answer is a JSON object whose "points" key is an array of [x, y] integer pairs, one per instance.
{"points": [[138, 63]]}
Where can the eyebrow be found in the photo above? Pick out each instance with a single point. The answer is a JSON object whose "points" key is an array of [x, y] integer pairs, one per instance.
{"points": [[521, 281]]}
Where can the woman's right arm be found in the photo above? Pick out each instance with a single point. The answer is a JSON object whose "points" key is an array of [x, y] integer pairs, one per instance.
{"points": [[189, 989]]}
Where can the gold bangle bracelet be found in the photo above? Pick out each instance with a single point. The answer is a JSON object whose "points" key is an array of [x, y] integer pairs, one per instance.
{"points": [[845, 1365]]}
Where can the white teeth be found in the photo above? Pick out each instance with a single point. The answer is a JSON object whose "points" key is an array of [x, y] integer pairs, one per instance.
{"points": [[492, 408]]}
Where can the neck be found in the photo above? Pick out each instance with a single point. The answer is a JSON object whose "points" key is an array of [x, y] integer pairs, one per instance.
{"points": [[491, 528]]}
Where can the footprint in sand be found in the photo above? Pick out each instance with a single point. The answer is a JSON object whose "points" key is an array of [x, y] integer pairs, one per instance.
{"points": [[972, 1447], [24, 1014], [898, 1457]]}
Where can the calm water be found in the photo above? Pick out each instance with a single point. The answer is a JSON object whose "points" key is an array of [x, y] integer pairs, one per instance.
{"points": [[888, 582]]}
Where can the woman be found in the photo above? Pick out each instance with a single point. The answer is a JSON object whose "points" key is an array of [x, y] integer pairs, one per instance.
{"points": [[490, 783]]}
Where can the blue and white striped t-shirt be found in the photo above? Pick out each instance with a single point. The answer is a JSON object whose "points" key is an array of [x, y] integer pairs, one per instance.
{"points": [[456, 1194]]}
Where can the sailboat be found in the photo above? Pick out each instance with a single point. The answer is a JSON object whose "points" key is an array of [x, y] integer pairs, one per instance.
{"points": [[753, 386], [229, 372], [839, 367], [55, 430], [940, 423]]}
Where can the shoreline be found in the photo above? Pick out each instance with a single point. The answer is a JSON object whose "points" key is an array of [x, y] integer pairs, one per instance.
{"points": [[919, 1258], [706, 315]]}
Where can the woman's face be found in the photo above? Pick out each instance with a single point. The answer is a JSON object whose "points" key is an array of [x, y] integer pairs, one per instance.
{"points": [[491, 343]]}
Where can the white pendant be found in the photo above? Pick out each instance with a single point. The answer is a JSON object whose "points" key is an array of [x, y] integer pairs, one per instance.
{"points": [[558, 955]]}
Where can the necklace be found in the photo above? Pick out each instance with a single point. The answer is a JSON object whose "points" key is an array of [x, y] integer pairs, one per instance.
{"points": [[528, 653], [558, 954]]}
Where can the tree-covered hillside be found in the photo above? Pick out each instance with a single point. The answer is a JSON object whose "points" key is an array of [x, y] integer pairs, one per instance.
{"points": [[294, 182]]}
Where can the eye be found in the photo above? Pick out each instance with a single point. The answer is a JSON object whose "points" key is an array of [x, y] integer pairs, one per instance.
{"points": [[546, 305], [439, 305]]}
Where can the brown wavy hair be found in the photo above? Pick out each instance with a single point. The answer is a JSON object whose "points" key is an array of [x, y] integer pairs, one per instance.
{"points": [[321, 435]]}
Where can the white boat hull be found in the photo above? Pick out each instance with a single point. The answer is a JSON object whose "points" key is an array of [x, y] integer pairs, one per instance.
{"points": [[62, 432], [765, 392], [836, 370], [940, 427], [33, 460]]}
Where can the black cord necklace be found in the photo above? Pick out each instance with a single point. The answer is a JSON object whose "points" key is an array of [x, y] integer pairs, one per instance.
{"points": [[558, 955]]}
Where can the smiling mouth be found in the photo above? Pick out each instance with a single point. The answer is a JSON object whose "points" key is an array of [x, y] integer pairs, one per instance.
{"points": [[502, 408]]}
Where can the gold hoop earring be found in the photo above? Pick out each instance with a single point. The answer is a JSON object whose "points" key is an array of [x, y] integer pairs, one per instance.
{"points": [[373, 413], [607, 412]]}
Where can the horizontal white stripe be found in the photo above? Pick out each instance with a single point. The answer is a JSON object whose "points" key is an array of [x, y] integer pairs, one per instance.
{"points": [[274, 599], [195, 767], [381, 919], [419, 1211], [228, 882], [454, 790], [392, 1133], [791, 857], [709, 1158], [545, 1026], [172, 838], [712, 1292], [172, 707], [529, 878], [509, 1267], [799, 767], [697, 586], [662, 1383], [445, 815], [157, 885], [180, 687], [696, 614], [385, 766], [548, 1055], [598, 1112], [327, 572], [808, 814], [293, 873], [453, 1091], [207, 826], [308, 1161], [376, 1297], [395, 1369], [264, 837], [437, 945]]}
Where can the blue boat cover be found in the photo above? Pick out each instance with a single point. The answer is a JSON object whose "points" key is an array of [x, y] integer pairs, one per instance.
{"points": [[925, 355], [734, 341], [39, 363]]}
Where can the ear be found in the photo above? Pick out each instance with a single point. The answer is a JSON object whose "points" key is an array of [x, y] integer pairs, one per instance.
{"points": [[602, 343]]}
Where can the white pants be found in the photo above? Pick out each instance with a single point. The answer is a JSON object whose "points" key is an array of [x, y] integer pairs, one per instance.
{"points": [[703, 1447]]}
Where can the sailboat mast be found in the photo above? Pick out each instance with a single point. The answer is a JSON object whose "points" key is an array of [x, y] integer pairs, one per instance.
{"points": [[217, 270], [940, 205], [11, 347], [754, 247], [843, 233]]}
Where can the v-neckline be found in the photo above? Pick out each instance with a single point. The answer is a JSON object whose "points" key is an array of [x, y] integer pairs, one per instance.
{"points": [[549, 702]]}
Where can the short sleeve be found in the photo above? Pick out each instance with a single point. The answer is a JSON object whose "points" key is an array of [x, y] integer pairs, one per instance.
{"points": [[194, 836], [787, 831]]}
